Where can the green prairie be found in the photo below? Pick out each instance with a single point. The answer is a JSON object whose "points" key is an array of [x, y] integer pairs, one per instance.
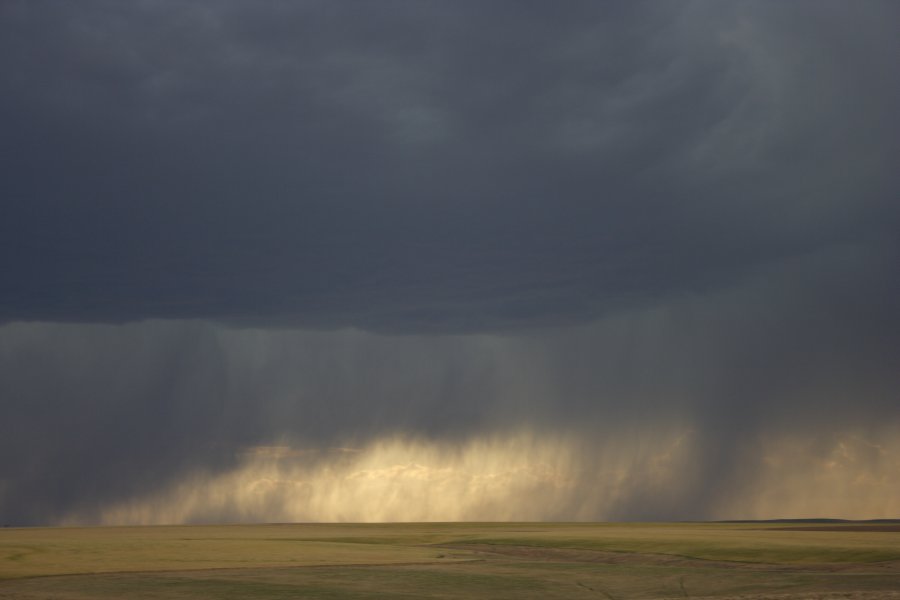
{"points": [[454, 560]]}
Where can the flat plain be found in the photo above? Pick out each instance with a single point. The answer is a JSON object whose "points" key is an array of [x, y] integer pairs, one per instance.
{"points": [[616, 561]]}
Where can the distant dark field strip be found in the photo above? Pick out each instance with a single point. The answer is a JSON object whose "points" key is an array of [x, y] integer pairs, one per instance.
{"points": [[846, 528]]}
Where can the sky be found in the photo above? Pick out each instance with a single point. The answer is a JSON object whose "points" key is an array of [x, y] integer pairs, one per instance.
{"points": [[448, 260]]}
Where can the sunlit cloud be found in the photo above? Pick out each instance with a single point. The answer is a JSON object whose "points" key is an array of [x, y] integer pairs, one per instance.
{"points": [[848, 476], [520, 476], [523, 477]]}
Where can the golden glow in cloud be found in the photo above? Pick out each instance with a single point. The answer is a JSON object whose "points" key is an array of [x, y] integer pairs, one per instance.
{"points": [[850, 476], [525, 476], [511, 477]]}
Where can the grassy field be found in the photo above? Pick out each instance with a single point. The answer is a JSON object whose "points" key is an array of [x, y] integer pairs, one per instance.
{"points": [[454, 560]]}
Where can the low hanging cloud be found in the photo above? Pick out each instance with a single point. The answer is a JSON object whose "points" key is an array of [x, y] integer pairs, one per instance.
{"points": [[522, 477], [605, 249], [707, 398]]}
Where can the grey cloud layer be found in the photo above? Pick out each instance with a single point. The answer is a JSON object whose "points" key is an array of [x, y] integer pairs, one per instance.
{"points": [[430, 166], [102, 414], [438, 218]]}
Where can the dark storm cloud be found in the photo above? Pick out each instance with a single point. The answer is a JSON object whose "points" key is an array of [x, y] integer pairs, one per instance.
{"points": [[636, 214], [412, 166], [100, 414]]}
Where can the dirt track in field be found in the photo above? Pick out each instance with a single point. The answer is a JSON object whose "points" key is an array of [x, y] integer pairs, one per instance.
{"points": [[668, 560], [876, 595]]}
